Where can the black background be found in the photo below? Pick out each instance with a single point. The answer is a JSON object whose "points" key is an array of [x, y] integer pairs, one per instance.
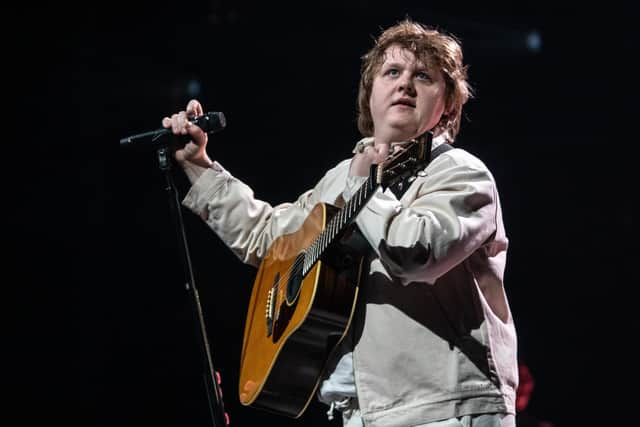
{"points": [[101, 329]]}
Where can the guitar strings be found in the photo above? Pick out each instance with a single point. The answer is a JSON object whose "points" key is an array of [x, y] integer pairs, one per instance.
{"points": [[299, 262], [298, 265]]}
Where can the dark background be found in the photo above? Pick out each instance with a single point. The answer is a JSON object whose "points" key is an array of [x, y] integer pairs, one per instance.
{"points": [[101, 329]]}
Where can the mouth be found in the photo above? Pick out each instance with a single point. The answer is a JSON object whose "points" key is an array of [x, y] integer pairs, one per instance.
{"points": [[404, 102]]}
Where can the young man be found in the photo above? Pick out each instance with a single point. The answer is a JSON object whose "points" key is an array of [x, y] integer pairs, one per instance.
{"points": [[432, 340]]}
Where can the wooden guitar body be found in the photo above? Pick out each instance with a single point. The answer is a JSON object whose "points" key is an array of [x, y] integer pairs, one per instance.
{"points": [[294, 323]]}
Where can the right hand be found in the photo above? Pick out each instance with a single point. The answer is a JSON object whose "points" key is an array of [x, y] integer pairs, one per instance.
{"points": [[195, 151]]}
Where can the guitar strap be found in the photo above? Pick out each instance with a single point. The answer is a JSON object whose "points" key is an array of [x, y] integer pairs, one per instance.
{"points": [[399, 188]]}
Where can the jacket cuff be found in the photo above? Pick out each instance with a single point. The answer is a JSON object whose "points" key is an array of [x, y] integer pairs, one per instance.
{"points": [[352, 186], [205, 188]]}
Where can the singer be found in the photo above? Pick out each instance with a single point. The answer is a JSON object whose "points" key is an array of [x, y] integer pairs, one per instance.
{"points": [[428, 338]]}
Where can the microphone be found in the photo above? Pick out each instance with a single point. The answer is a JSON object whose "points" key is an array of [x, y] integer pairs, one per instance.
{"points": [[208, 122]]}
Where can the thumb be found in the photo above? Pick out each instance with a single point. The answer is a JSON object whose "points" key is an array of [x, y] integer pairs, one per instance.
{"points": [[381, 151], [194, 108]]}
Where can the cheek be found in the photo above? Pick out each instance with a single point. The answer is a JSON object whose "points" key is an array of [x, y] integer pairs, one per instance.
{"points": [[433, 112], [439, 108], [376, 97], [373, 101]]}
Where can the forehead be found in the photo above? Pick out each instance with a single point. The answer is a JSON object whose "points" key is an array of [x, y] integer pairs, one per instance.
{"points": [[398, 54]]}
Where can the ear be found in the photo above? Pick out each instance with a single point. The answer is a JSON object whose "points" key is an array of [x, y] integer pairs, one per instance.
{"points": [[448, 108], [444, 120], [443, 124]]}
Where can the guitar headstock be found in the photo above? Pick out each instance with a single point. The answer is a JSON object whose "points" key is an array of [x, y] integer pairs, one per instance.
{"points": [[405, 161]]}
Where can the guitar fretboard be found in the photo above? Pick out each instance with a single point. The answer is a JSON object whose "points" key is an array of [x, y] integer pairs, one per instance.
{"points": [[400, 166], [339, 223]]}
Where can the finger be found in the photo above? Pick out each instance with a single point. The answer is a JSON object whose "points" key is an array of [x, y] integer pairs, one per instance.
{"points": [[175, 123], [194, 108], [166, 122], [377, 154], [382, 151], [197, 135], [181, 122]]}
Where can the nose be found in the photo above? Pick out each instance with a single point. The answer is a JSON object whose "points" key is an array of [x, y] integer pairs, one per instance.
{"points": [[406, 84]]}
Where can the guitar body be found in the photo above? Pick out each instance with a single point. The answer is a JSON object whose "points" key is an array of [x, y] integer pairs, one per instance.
{"points": [[294, 322], [305, 292]]}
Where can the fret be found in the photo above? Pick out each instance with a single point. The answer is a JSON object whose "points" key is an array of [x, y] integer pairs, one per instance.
{"points": [[333, 228], [399, 166], [322, 243]]}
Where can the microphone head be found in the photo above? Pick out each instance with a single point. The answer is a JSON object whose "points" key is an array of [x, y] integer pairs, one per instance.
{"points": [[211, 122]]}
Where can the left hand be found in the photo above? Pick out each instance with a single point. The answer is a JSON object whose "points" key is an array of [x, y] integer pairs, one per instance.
{"points": [[372, 155]]}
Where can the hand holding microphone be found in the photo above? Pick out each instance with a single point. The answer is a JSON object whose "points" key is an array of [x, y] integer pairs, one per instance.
{"points": [[180, 123], [189, 128]]}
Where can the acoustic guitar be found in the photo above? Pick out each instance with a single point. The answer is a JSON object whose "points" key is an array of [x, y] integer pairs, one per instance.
{"points": [[304, 294]]}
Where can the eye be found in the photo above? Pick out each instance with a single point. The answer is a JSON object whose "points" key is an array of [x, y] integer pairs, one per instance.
{"points": [[422, 75], [392, 72]]}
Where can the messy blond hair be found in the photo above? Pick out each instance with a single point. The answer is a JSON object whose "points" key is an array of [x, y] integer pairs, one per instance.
{"points": [[434, 49]]}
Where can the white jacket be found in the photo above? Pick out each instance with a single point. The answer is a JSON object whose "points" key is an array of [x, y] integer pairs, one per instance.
{"points": [[433, 336]]}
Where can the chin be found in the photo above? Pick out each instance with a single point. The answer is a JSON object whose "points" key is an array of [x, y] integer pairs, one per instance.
{"points": [[404, 133], [398, 130]]}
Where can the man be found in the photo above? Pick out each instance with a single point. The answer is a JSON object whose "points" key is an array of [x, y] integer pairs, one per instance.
{"points": [[432, 340]]}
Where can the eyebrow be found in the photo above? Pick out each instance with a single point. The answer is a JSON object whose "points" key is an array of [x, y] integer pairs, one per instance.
{"points": [[392, 64], [419, 67]]}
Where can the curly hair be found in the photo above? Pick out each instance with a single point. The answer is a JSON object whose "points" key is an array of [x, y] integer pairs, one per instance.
{"points": [[433, 48]]}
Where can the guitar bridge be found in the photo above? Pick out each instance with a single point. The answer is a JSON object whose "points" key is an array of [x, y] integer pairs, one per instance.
{"points": [[271, 304]]}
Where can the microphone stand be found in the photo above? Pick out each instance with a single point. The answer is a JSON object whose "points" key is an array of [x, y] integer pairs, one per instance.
{"points": [[211, 377]]}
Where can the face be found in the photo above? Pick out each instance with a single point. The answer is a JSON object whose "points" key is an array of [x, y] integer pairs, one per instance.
{"points": [[407, 99]]}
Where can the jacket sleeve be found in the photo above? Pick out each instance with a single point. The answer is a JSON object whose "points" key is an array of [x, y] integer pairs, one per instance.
{"points": [[449, 214], [245, 224]]}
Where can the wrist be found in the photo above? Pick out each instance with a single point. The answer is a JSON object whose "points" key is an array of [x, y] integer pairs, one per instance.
{"points": [[193, 170], [362, 145], [203, 162], [360, 165]]}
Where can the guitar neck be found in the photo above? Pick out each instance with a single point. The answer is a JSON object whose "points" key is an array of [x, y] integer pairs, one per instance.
{"points": [[340, 221], [398, 167]]}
